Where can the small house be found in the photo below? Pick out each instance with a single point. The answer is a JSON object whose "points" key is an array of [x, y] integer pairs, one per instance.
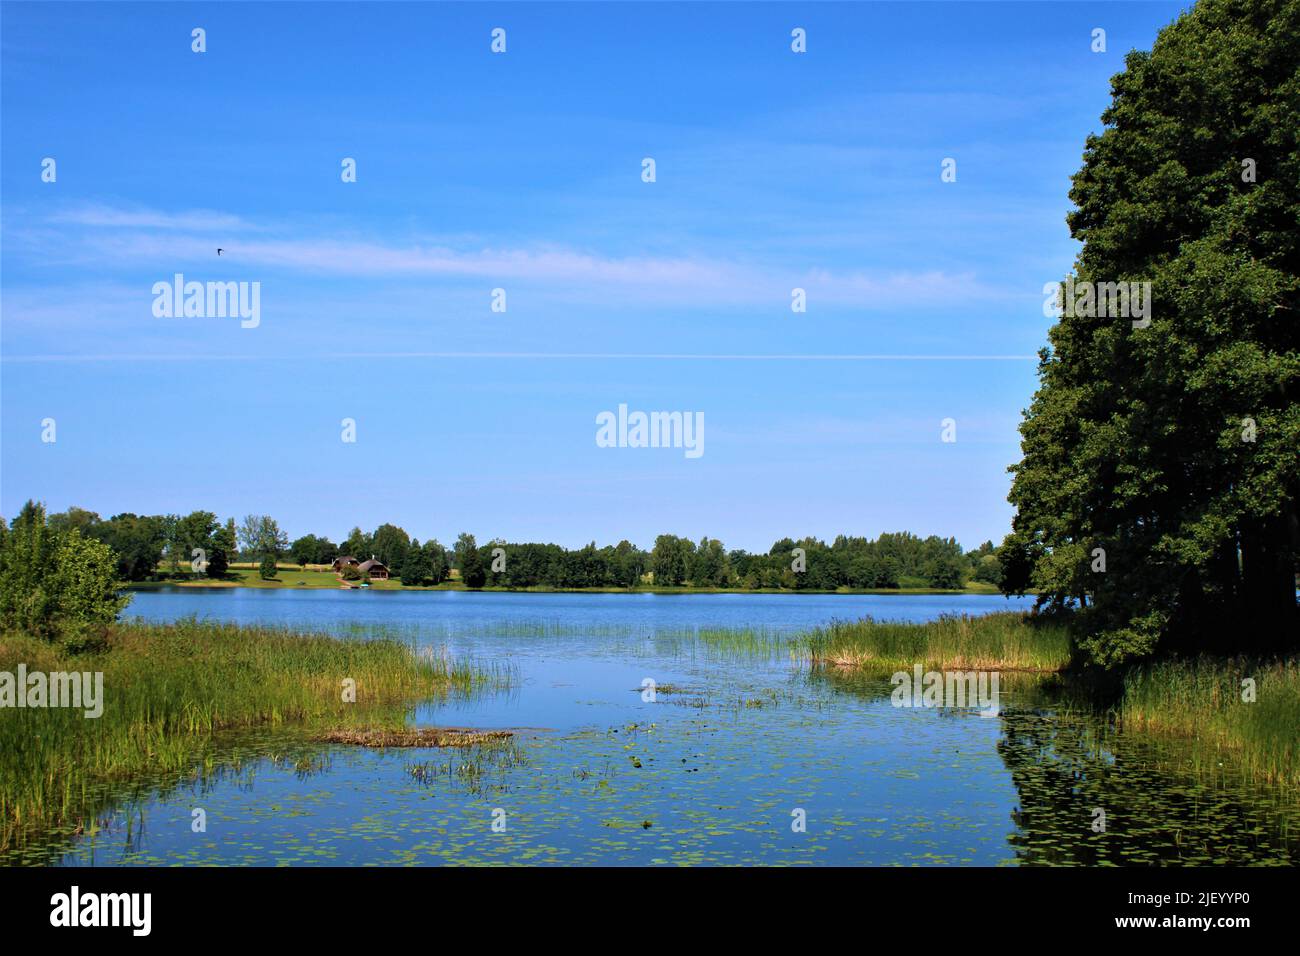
{"points": [[376, 570], [343, 561]]}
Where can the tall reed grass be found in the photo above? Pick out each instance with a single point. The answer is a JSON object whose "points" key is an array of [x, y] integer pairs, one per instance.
{"points": [[168, 689], [1201, 700], [1009, 641], [1204, 698]]}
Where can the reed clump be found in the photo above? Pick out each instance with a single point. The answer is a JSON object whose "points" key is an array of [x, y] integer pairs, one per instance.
{"points": [[1244, 712], [413, 737], [168, 689], [1009, 641], [1243, 707]]}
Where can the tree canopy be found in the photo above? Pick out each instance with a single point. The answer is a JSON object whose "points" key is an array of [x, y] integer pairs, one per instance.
{"points": [[152, 546], [1158, 491]]}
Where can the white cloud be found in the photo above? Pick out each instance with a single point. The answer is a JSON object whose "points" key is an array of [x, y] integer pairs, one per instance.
{"points": [[99, 215], [104, 236]]}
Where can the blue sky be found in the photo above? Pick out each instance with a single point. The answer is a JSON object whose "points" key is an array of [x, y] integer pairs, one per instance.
{"points": [[522, 171]]}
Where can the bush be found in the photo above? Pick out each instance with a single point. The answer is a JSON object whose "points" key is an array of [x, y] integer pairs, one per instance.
{"points": [[55, 583], [266, 569]]}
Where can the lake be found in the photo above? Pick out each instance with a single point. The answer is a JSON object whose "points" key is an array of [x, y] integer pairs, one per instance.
{"points": [[743, 755]]}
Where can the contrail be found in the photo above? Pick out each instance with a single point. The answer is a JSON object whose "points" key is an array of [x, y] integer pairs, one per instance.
{"points": [[539, 356]]}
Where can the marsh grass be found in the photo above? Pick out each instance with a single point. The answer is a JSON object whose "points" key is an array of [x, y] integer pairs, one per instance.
{"points": [[741, 642], [1203, 699], [170, 689], [474, 769], [412, 737], [1199, 701], [1009, 641]]}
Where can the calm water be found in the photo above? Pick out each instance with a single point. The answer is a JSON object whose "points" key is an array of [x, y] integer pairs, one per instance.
{"points": [[715, 770]]}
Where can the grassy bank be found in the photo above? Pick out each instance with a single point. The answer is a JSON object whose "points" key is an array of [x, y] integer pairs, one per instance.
{"points": [[168, 689], [1007, 641], [319, 576], [1203, 699], [248, 576]]}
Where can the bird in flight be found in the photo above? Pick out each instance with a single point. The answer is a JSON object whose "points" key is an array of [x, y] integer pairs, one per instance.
{"points": [[218, 250]]}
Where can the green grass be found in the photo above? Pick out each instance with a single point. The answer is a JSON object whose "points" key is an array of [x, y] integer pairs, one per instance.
{"points": [[1007, 641], [168, 689], [1202, 699]]}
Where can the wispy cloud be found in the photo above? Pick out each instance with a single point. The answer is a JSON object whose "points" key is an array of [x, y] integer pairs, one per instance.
{"points": [[100, 215], [134, 238]]}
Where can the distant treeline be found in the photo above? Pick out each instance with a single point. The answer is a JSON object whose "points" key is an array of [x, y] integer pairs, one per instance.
{"points": [[147, 546]]}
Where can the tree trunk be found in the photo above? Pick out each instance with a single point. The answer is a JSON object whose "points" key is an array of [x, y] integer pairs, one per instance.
{"points": [[1268, 588]]}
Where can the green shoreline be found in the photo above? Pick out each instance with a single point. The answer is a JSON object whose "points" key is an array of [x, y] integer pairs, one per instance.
{"points": [[281, 586], [291, 577]]}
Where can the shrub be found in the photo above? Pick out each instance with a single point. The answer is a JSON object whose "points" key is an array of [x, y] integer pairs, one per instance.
{"points": [[55, 583]]}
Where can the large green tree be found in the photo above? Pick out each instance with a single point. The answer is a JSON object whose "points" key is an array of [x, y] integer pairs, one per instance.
{"points": [[224, 543], [469, 560], [414, 569], [670, 559], [435, 557], [357, 545], [709, 566], [194, 532], [260, 536], [1158, 490], [310, 549], [137, 542], [390, 544]]}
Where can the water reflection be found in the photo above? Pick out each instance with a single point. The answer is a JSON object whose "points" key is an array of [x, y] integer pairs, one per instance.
{"points": [[1090, 795], [709, 771]]}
